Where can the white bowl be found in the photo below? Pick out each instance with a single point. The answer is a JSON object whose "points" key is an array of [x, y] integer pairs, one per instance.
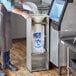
{"points": [[26, 6], [30, 6]]}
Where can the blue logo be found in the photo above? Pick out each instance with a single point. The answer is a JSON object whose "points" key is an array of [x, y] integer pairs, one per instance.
{"points": [[37, 37]]}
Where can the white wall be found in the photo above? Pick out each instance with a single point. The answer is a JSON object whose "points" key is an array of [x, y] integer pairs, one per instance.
{"points": [[47, 1], [69, 19]]}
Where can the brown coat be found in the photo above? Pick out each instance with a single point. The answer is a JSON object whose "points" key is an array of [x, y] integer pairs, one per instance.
{"points": [[5, 29]]}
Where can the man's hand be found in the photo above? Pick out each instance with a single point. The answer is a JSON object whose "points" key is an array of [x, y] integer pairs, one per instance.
{"points": [[22, 13], [25, 15]]}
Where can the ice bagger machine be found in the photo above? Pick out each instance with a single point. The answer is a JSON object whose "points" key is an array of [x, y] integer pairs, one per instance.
{"points": [[37, 54], [62, 20]]}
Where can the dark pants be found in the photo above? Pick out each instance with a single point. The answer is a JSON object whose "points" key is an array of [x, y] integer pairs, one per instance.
{"points": [[5, 58]]}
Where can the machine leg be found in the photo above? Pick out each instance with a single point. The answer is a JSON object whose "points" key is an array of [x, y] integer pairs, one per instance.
{"points": [[59, 62], [68, 72], [60, 71]]}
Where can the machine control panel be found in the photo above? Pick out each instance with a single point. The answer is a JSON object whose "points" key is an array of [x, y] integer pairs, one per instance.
{"points": [[56, 12]]}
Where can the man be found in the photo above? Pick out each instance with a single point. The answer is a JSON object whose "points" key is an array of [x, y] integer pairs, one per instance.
{"points": [[7, 6]]}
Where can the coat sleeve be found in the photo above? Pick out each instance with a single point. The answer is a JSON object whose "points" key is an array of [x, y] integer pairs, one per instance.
{"points": [[8, 4]]}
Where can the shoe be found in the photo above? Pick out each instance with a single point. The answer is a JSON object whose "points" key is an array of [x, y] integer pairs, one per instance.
{"points": [[6, 61], [11, 67], [2, 73]]}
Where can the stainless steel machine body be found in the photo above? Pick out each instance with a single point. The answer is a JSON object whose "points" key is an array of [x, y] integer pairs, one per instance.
{"points": [[37, 58], [62, 24], [57, 8]]}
